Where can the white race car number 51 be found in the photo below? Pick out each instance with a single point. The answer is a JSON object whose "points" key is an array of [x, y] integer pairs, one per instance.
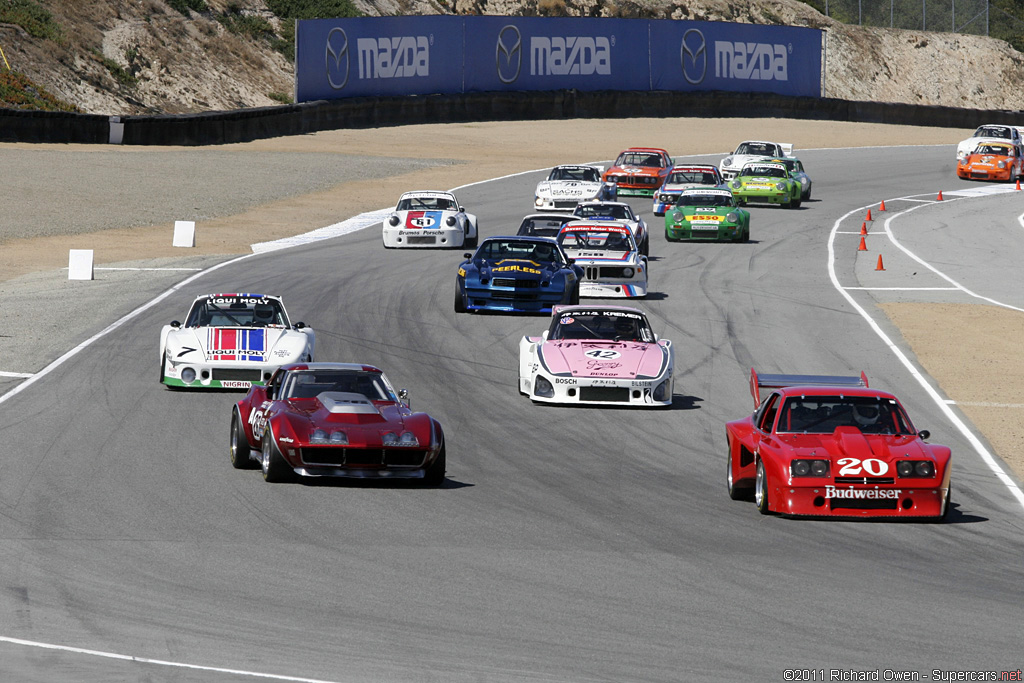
{"points": [[852, 467]]}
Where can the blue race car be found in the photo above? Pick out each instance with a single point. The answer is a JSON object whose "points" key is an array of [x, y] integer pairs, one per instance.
{"points": [[528, 274]]}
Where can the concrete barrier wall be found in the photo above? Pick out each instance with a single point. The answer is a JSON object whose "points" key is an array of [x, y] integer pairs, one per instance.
{"points": [[216, 128]]}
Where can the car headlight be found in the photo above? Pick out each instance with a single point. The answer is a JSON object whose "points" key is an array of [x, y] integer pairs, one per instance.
{"points": [[339, 438], [318, 436], [394, 220], [542, 387], [677, 216], [627, 272], [735, 184], [808, 468], [392, 440], [188, 375], [780, 186], [1002, 164], [732, 217], [451, 220], [727, 161], [661, 392], [924, 469]]}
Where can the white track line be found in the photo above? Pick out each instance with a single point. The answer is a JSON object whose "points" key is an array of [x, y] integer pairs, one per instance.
{"points": [[159, 662], [979, 447]]}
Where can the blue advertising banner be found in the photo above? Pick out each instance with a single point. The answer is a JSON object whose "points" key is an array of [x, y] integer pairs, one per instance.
{"points": [[704, 55], [519, 53], [420, 55], [378, 56]]}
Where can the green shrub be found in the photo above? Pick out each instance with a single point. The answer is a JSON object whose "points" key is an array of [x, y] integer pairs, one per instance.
{"points": [[280, 97], [290, 10], [32, 17], [18, 91], [184, 6]]}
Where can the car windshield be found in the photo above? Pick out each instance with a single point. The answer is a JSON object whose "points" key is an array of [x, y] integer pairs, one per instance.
{"points": [[601, 324], [993, 149], [763, 171], [759, 148], [993, 132], [582, 173], [617, 212], [237, 312], [312, 383], [539, 252], [541, 227], [426, 204], [640, 159], [822, 414], [692, 178], [705, 200], [596, 239]]}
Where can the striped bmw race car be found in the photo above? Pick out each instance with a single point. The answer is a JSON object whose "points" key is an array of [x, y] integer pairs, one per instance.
{"points": [[232, 341]]}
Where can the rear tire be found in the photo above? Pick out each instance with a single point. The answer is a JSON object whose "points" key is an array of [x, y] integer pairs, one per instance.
{"points": [[574, 300], [434, 475], [240, 449], [735, 492]]}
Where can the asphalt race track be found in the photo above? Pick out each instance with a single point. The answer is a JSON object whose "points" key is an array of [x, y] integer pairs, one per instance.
{"points": [[568, 544]]}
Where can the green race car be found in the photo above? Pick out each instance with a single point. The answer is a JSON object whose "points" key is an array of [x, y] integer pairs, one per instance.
{"points": [[763, 182], [707, 214]]}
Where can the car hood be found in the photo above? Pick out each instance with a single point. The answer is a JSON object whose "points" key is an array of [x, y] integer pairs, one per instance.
{"points": [[986, 158], [254, 344], [589, 358], [570, 189], [521, 269], [334, 408], [850, 442], [634, 170]]}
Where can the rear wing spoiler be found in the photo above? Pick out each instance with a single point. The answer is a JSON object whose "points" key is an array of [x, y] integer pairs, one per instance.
{"points": [[757, 382], [787, 148]]}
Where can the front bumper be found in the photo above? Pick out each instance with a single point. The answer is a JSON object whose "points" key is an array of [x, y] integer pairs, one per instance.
{"points": [[717, 231], [534, 300], [974, 173], [441, 237], [763, 196], [859, 501], [637, 393], [219, 375]]}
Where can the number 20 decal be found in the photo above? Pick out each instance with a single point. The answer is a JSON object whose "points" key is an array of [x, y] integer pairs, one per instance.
{"points": [[851, 467]]}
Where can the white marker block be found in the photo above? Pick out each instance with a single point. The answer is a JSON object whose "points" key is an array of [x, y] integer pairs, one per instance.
{"points": [[184, 233], [80, 264]]}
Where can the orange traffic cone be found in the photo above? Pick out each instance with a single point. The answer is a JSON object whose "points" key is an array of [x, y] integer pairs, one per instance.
{"points": [[882, 207], [939, 199], [863, 228], [863, 246], [1018, 184], [879, 266], [869, 215]]}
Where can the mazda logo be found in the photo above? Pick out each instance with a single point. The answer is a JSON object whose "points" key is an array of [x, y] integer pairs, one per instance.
{"points": [[693, 56], [337, 58], [509, 54]]}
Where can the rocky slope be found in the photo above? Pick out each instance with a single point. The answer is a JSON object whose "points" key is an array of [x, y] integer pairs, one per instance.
{"points": [[136, 56]]}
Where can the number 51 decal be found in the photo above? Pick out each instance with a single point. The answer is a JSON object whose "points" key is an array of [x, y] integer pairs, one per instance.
{"points": [[852, 467]]}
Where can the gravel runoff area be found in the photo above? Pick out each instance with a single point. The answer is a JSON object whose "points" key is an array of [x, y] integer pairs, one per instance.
{"points": [[122, 203]]}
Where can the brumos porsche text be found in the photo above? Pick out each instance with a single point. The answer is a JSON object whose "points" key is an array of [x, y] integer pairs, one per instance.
{"points": [[570, 56], [396, 57], [751, 61]]}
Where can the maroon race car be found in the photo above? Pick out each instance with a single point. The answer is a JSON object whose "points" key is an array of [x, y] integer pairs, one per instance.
{"points": [[335, 420], [831, 447]]}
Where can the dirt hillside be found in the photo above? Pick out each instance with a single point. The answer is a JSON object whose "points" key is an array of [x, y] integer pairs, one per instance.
{"points": [[144, 56]]}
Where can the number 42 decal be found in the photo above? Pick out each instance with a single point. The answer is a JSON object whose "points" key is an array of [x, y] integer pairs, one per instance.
{"points": [[852, 467]]}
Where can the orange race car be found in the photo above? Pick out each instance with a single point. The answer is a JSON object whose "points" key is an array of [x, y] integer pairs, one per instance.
{"points": [[639, 171], [991, 160]]}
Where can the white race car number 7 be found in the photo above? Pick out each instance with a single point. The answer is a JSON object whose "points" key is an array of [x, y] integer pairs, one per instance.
{"points": [[852, 467]]}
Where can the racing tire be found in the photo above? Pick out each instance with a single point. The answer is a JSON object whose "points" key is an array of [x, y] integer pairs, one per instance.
{"points": [[646, 250], [275, 469], [796, 203], [761, 490], [240, 449], [434, 476], [945, 507], [574, 300], [735, 492], [471, 242], [460, 304]]}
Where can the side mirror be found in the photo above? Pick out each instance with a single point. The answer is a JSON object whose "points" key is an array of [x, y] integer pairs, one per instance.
{"points": [[924, 434], [571, 261], [403, 394], [468, 255], [175, 324], [299, 325]]}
